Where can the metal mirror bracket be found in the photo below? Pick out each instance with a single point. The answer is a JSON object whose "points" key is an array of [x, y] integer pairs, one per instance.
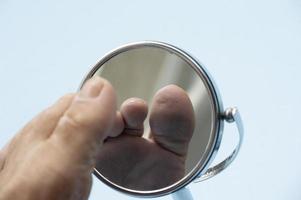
{"points": [[182, 194], [230, 115]]}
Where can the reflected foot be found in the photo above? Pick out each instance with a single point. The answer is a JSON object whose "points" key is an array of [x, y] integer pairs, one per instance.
{"points": [[134, 162]]}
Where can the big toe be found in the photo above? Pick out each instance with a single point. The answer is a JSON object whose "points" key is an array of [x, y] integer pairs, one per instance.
{"points": [[172, 119], [89, 118]]}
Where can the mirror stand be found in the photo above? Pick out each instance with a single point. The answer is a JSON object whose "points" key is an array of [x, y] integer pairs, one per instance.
{"points": [[181, 194], [230, 115], [162, 65]]}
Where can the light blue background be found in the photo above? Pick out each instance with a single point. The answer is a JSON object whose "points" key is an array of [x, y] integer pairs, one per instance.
{"points": [[252, 49]]}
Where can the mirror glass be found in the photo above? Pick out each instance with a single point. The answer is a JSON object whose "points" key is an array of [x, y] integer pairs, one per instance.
{"points": [[127, 161]]}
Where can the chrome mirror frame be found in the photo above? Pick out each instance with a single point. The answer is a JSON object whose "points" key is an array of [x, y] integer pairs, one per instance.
{"points": [[203, 170]]}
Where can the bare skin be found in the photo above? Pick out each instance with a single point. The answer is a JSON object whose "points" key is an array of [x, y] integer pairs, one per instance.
{"points": [[148, 164], [53, 156]]}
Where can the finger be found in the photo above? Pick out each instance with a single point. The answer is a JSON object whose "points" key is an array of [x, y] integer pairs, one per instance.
{"points": [[172, 119], [134, 112]]}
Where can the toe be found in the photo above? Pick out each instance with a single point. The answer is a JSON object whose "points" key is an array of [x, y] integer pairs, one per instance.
{"points": [[3, 154], [118, 125], [90, 116], [42, 126], [134, 112], [172, 119]]}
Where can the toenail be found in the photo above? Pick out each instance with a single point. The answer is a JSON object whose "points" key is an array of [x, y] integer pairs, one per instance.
{"points": [[92, 87]]}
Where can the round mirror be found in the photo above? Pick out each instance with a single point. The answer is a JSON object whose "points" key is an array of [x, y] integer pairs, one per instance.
{"points": [[183, 119]]}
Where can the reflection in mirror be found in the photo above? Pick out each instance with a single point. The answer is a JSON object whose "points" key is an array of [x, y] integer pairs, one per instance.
{"points": [[167, 112]]}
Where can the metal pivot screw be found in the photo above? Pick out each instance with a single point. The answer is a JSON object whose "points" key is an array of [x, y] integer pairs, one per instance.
{"points": [[229, 114]]}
